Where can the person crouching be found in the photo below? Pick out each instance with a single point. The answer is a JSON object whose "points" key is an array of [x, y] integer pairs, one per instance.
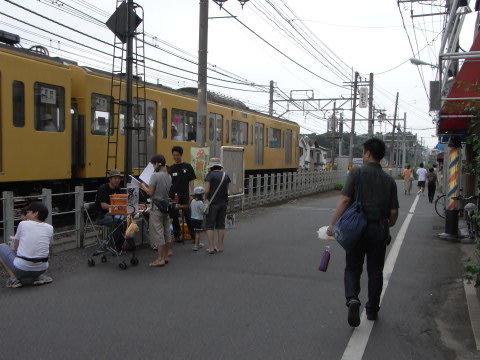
{"points": [[29, 256]]}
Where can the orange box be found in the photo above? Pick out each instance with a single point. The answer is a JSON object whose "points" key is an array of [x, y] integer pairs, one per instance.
{"points": [[118, 204]]}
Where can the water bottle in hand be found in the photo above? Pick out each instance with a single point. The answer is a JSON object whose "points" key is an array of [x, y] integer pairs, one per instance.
{"points": [[325, 259]]}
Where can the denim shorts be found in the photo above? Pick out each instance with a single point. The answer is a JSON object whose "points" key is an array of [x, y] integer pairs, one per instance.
{"points": [[8, 255], [216, 216]]}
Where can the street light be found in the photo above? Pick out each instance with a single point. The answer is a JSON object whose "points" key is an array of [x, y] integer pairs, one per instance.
{"points": [[418, 62]]}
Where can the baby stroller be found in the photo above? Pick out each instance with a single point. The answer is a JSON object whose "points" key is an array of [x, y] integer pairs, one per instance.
{"points": [[118, 240]]}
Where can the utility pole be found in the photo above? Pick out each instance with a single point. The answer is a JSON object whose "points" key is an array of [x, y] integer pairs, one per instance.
{"points": [[334, 134], [393, 131], [370, 108], [129, 92], [340, 133], [404, 145], [355, 86], [415, 151], [202, 74], [270, 103]]}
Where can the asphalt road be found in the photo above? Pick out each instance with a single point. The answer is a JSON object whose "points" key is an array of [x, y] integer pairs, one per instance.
{"points": [[263, 298]]}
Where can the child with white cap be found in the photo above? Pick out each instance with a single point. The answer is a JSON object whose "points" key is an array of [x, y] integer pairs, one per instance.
{"points": [[197, 216]]}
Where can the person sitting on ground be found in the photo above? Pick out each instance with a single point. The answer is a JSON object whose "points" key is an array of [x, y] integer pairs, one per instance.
{"points": [[29, 256], [102, 199], [197, 216]]}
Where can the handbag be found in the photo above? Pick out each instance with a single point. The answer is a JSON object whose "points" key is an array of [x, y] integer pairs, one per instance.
{"points": [[165, 206], [206, 204], [350, 227]]}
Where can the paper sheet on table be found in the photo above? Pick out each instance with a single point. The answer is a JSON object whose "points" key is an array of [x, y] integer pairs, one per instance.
{"points": [[134, 181], [147, 173]]}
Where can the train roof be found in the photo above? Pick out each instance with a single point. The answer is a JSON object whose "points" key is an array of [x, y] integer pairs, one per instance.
{"points": [[214, 97]]}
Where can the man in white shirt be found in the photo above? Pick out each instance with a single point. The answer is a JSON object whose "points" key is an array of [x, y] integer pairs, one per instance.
{"points": [[29, 257], [422, 173]]}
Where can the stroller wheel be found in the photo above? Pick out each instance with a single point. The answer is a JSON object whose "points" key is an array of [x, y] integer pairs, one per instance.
{"points": [[91, 262], [122, 265], [104, 259], [134, 261]]}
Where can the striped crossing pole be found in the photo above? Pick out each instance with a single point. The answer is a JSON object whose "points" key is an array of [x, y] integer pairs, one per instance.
{"points": [[451, 211], [454, 172]]}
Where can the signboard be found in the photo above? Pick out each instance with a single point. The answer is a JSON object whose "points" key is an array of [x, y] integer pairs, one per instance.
{"points": [[234, 166], [199, 160], [363, 101], [48, 96]]}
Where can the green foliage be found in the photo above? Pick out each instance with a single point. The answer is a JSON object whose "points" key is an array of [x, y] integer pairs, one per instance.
{"points": [[339, 186]]}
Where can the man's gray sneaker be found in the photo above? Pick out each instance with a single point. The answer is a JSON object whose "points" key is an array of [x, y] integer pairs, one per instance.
{"points": [[14, 283], [42, 279]]}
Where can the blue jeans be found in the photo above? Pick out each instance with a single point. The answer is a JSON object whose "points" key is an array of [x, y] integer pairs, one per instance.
{"points": [[8, 255], [373, 244], [109, 219]]}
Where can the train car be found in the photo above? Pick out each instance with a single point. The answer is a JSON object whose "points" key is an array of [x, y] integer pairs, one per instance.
{"points": [[55, 117]]}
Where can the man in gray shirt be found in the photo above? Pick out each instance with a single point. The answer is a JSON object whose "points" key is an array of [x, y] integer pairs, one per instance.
{"points": [[159, 223], [378, 195]]}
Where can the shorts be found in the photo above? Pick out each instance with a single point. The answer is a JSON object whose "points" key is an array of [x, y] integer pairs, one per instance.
{"points": [[216, 216], [421, 183], [8, 255], [197, 225], [159, 228]]}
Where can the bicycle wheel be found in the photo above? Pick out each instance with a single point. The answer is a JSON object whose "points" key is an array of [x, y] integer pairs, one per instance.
{"points": [[441, 205]]}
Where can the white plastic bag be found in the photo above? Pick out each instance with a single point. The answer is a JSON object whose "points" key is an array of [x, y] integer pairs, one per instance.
{"points": [[322, 234]]}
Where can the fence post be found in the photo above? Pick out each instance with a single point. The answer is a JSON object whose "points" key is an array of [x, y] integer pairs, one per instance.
{"points": [[250, 191], [265, 189], [258, 192], [79, 220], [294, 184], [47, 201], [8, 218], [272, 187]]}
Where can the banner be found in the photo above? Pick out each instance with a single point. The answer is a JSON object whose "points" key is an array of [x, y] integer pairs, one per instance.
{"points": [[199, 160]]}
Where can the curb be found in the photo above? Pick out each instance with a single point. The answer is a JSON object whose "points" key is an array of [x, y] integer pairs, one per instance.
{"points": [[473, 310]]}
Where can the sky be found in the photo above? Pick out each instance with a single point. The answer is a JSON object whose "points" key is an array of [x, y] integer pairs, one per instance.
{"points": [[301, 45]]}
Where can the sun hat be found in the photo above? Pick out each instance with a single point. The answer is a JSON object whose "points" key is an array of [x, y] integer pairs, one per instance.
{"points": [[214, 162], [198, 190], [113, 173]]}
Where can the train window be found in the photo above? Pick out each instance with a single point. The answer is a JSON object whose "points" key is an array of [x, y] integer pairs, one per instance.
{"points": [[18, 95], [164, 123], [49, 107], [138, 110], [239, 132], [227, 140], [215, 122], [274, 137], [184, 125], [266, 137], [102, 114], [251, 137]]}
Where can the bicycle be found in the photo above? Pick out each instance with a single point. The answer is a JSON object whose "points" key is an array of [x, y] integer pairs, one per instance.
{"points": [[470, 209], [441, 205]]}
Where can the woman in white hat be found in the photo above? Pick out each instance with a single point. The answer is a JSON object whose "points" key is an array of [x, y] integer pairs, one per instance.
{"points": [[216, 192]]}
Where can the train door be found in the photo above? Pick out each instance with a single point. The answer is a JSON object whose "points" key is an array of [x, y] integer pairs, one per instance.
{"points": [[288, 147], [215, 134], [146, 122], [258, 144]]}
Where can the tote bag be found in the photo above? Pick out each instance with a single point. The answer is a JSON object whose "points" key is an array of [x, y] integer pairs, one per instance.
{"points": [[350, 227]]}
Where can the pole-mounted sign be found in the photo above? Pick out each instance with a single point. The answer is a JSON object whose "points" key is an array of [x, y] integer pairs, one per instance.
{"points": [[363, 103]]}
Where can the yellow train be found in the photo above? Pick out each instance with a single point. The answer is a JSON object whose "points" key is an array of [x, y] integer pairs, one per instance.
{"points": [[54, 124]]}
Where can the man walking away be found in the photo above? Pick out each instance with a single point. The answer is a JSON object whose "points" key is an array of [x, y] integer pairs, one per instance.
{"points": [[378, 194], [431, 183], [422, 173]]}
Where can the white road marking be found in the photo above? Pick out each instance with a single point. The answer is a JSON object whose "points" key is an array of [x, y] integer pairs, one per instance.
{"points": [[359, 339]]}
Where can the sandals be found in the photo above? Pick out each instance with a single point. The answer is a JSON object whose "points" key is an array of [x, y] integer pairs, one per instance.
{"points": [[210, 252], [157, 263], [219, 250]]}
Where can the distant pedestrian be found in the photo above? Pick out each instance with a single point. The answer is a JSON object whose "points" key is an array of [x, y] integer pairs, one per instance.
{"points": [[183, 177], [431, 184], [422, 173], [378, 194], [216, 191], [407, 179], [196, 207]]}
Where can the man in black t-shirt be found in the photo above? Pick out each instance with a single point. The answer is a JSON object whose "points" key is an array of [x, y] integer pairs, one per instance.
{"points": [[183, 177], [102, 199]]}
